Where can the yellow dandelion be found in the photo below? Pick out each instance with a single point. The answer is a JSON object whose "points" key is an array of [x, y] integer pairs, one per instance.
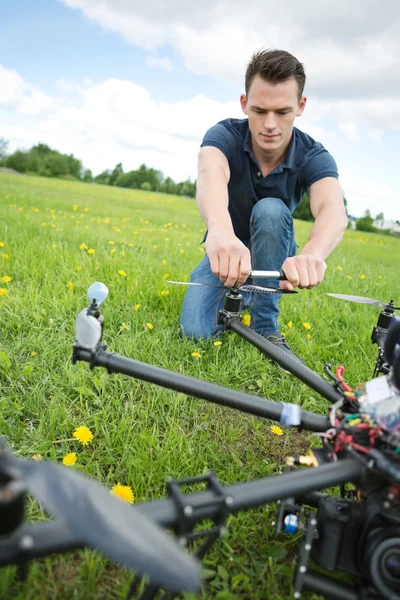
{"points": [[122, 253], [348, 277], [83, 247], [166, 275], [339, 268], [112, 251], [164, 262], [130, 245], [164, 293], [70, 285], [149, 325], [217, 343], [83, 435], [3, 291], [6, 279], [290, 324], [123, 492], [75, 207], [86, 210], [2, 244], [70, 459], [182, 251], [122, 273], [196, 354], [308, 336], [111, 243], [125, 326], [91, 251], [246, 320], [362, 276], [37, 457], [276, 430], [306, 325], [33, 353], [155, 246], [136, 307], [379, 276], [5, 256]]}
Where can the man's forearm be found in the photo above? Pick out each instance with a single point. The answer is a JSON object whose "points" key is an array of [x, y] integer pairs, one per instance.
{"points": [[212, 198], [327, 231]]}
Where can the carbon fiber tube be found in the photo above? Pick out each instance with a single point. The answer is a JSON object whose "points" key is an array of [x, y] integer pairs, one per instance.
{"points": [[302, 372], [255, 493], [211, 392], [337, 590], [34, 540]]}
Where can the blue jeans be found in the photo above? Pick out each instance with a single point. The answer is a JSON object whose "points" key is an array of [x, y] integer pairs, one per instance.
{"points": [[272, 241]]}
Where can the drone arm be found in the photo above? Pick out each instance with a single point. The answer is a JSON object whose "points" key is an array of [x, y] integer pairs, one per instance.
{"points": [[34, 540], [242, 496], [211, 392], [301, 371]]}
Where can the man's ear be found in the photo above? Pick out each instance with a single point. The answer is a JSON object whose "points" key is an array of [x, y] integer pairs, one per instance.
{"points": [[301, 107], [243, 103]]}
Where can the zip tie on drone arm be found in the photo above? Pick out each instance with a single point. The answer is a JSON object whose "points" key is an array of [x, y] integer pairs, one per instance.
{"points": [[290, 415]]}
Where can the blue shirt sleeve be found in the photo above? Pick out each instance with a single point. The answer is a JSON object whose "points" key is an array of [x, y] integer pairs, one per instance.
{"points": [[321, 164], [223, 139]]}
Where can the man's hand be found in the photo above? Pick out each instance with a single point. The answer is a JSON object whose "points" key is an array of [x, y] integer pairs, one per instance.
{"points": [[303, 271], [229, 258]]}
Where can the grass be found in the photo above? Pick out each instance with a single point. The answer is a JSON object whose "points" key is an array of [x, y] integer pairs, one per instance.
{"points": [[143, 433]]}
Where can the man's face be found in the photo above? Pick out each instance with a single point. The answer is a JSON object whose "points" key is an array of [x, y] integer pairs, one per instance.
{"points": [[271, 110]]}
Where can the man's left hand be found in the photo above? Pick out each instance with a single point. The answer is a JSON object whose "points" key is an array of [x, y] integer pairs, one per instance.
{"points": [[303, 271]]}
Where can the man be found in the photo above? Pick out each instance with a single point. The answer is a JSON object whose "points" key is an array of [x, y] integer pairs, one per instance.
{"points": [[252, 173]]}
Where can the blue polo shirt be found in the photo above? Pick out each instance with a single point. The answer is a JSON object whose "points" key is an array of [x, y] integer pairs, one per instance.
{"points": [[306, 161]]}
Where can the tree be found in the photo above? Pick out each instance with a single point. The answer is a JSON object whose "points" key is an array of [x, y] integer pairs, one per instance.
{"points": [[303, 210], [87, 176], [366, 223], [115, 174], [103, 177], [379, 217], [145, 186], [3, 148], [18, 161]]}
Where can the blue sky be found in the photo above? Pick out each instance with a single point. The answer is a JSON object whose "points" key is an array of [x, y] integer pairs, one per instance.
{"points": [[136, 82]]}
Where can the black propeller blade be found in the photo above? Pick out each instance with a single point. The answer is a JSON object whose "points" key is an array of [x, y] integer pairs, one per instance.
{"points": [[363, 300], [240, 288], [101, 521]]}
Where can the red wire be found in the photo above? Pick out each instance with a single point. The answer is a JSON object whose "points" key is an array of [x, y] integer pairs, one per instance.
{"points": [[339, 371]]}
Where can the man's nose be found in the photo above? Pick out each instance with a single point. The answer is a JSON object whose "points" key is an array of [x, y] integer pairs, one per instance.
{"points": [[270, 122]]}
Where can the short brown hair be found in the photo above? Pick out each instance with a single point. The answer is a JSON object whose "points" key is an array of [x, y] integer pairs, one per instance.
{"points": [[275, 66]]}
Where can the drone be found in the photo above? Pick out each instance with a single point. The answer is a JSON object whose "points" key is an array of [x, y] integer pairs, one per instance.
{"points": [[354, 532]]}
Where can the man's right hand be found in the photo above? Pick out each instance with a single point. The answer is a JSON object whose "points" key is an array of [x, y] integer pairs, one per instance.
{"points": [[229, 258]]}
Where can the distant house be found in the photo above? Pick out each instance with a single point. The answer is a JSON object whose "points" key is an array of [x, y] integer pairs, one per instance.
{"points": [[384, 224]]}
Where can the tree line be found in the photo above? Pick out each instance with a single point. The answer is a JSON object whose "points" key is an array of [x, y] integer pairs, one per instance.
{"points": [[45, 161]]}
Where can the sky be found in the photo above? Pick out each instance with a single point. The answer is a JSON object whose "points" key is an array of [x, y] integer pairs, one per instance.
{"points": [[141, 82]]}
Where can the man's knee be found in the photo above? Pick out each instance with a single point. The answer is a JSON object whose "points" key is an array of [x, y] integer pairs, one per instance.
{"points": [[270, 212]]}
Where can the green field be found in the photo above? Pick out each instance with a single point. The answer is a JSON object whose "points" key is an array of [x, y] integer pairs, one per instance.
{"points": [[143, 433]]}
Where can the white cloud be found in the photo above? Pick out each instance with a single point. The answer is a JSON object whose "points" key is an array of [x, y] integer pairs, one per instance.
{"points": [[114, 121], [350, 130], [161, 62], [349, 49], [17, 94], [363, 194]]}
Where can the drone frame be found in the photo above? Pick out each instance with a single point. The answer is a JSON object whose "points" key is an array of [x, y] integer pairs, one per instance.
{"points": [[181, 512]]}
